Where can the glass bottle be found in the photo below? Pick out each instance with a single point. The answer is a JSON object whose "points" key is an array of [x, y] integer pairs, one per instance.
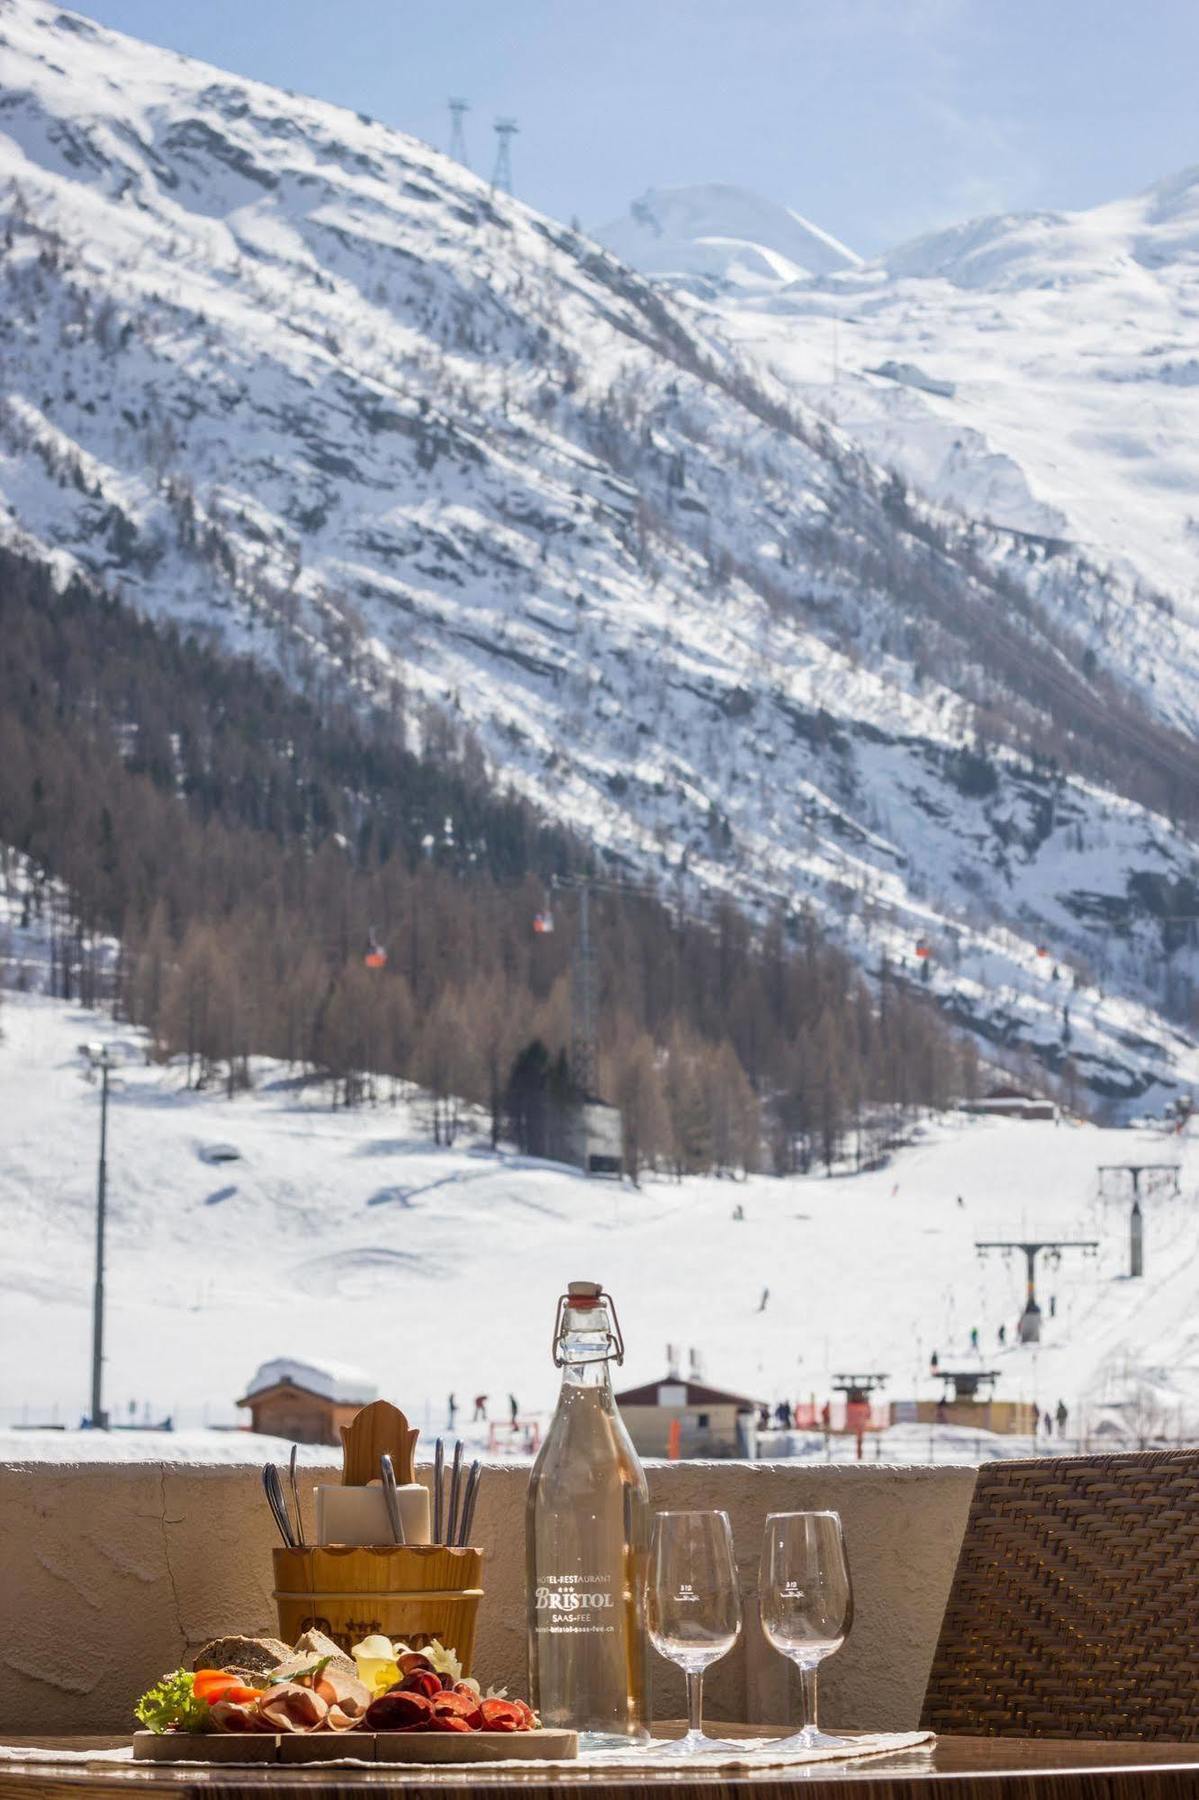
{"points": [[587, 1538]]}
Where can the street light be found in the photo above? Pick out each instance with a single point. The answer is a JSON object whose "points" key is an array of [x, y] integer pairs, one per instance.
{"points": [[98, 1059]]}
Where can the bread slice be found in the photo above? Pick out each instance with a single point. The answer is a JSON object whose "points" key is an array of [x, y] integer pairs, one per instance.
{"points": [[246, 1656]]}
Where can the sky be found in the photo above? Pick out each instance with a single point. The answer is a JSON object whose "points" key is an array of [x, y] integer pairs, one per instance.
{"points": [[878, 119]]}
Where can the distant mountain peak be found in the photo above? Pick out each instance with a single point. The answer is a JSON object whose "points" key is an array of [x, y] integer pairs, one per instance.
{"points": [[723, 235]]}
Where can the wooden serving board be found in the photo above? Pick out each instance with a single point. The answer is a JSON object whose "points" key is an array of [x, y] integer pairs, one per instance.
{"points": [[363, 1746]]}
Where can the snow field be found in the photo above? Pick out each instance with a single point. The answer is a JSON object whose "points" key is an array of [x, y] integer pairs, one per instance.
{"points": [[351, 1238]]}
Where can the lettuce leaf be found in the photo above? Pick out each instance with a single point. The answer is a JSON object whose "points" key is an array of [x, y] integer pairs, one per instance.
{"points": [[171, 1705]]}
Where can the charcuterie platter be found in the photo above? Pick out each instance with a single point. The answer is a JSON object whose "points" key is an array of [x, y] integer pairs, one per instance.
{"points": [[255, 1700]]}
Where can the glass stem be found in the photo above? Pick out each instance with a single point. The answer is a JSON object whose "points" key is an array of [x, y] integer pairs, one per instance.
{"points": [[807, 1676], [695, 1701]]}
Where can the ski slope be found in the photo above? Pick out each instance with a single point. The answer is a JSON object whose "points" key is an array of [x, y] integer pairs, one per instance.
{"points": [[351, 1237]]}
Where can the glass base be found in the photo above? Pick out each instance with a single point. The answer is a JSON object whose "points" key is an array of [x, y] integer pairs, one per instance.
{"points": [[692, 1743], [608, 1741], [809, 1738]]}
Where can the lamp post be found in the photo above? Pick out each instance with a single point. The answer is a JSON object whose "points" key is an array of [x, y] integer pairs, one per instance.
{"points": [[98, 1060]]}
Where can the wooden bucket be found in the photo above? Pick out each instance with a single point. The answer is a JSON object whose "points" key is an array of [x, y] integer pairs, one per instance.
{"points": [[408, 1592]]}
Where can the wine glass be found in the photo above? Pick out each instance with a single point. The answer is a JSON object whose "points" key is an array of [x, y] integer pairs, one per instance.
{"points": [[693, 1606], [807, 1604]]}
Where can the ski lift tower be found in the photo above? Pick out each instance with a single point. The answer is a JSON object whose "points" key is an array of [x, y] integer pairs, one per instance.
{"points": [[505, 131], [964, 1384], [857, 1390], [1161, 1175], [1030, 1318], [458, 111], [584, 988]]}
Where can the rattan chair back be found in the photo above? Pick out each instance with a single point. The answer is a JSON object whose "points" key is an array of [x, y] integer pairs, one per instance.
{"points": [[1074, 1610]]}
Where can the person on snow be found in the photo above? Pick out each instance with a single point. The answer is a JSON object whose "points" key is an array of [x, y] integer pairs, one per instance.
{"points": [[1062, 1416]]}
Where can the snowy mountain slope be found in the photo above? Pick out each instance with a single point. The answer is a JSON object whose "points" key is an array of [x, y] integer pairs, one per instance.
{"points": [[1040, 371], [289, 376], [349, 1236], [718, 236]]}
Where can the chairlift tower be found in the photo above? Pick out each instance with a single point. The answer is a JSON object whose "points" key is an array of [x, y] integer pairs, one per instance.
{"points": [[1164, 1175], [458, 111], [583, 1054], [858, 1388], [584, 974], [964, 1384], [1030, 1318], [505, 131]]}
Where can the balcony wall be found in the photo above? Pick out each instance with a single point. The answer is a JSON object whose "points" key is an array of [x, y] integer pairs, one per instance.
{"points": [[112, 1573]]}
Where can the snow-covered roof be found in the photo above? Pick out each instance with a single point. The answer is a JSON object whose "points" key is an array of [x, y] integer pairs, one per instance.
{"points": [[331, 1380]]}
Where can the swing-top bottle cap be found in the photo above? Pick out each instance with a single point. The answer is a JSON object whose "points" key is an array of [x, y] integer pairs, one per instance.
{"points": [[585, 1297]]}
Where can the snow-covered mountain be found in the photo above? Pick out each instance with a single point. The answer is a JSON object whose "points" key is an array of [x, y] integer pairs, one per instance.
{"points": [[289, 376], [1040, 371], [716, 236]]}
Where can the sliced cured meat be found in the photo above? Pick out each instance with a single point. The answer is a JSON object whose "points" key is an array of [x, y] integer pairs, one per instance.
{"points": [[501, 1715], [235, 1715], [397, 1711], [421, 1681], [459, 1706], [346, 1697], [411, 1661], [290, 1707]]}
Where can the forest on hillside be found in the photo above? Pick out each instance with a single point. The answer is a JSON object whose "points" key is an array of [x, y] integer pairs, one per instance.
{"points": [[286, 877]]}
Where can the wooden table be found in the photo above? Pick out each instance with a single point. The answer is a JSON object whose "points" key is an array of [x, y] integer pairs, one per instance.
{"points": [[956, 1768]]}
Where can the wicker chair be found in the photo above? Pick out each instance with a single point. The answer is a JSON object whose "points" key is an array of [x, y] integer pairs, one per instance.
{"points": [[1074, 1610]]}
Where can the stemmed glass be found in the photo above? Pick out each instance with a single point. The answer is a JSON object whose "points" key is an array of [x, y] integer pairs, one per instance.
{"points": [[693, 1607], [807, 1604]]}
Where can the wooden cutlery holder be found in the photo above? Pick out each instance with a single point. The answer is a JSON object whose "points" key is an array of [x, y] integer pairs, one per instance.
{"points": [[407, 1592]]}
